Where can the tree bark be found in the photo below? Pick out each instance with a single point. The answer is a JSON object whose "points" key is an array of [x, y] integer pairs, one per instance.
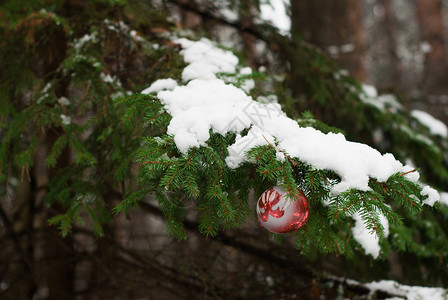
{"points": [[435, 73], [430, 18], [334, 26], [393, 80], [20, 249], [190, 20]]}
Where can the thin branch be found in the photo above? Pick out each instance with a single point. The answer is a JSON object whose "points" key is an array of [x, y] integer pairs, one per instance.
{"points": [[265, 254]]}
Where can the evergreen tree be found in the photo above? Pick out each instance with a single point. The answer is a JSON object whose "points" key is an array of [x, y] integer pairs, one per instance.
{"points": [[76, 106]]}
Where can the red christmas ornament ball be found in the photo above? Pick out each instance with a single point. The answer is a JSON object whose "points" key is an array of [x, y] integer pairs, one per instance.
{"points": [[278, 213]]}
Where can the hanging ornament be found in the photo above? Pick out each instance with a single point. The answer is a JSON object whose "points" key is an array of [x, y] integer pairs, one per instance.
{"points": [[278, 213]]}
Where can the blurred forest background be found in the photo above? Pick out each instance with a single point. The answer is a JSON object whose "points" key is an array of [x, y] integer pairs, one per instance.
{"points": [[398, 46]]}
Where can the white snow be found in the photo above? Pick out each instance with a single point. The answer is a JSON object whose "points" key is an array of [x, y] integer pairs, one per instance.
{"points": [[390, 101], [333, 50], [248, 84], [343, 49], [119, 26], [434, 125], [205, 59], [160, 84], [399, 290], [425, 47], [410, 292], [79, 43], [370, 90], [368, 240], [444, 198], [274, 11], [66, 120], [410, 174], [229, 14], [267, 99], [347, 48], [433, 195], [136, 35], [416, 136], [202, 105], [64, 101], [109, 79], [381, 102], [208, 103]]}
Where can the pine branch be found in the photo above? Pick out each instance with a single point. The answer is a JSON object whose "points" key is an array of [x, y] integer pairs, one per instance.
{"points": [[172, 209], [56, 150], [131, 200], [208, 224]]}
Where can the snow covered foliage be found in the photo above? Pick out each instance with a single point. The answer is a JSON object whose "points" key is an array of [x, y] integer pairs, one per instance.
{"points": [[363, 236], [444, 198], [275, 11], [212, 140], [215, 129], [209, 134], [205, 60], [161, 84], [382, 102], [435, 126], [396, 290], [207, 103], [223, 108], [410, 292]]}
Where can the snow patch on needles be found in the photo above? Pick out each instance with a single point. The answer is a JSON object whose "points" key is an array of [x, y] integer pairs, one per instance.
{"points": [[444, 198], [368, 241], [249, 84], [381, 102], [64, 101], [433, 195], [275, 11], [202, 105], [161, 84], [205, 59], [401, 291], [434, 125], [87, 38], [209, 103], [66, 120], [410, 292], [109, 79]]}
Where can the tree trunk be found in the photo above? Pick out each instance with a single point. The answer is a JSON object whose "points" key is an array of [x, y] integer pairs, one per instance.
{"points": [[393, 78], [190, 20], [429, 15], [435, 73], [20, 250], [336, 27]]}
